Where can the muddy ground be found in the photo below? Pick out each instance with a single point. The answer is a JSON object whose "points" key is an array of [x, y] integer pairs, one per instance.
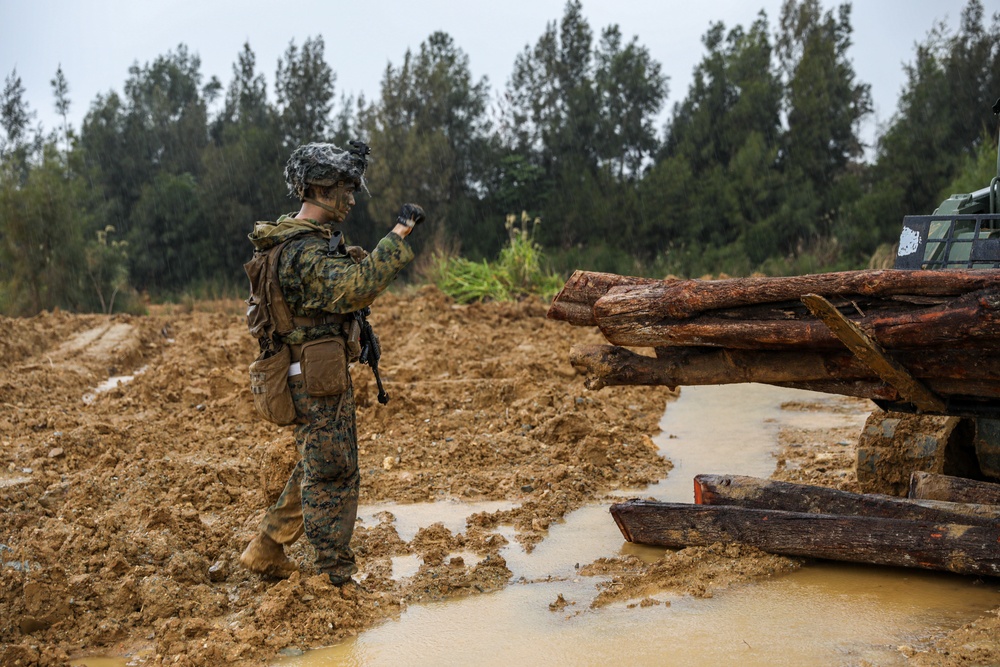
{"points": [[124, 511]]}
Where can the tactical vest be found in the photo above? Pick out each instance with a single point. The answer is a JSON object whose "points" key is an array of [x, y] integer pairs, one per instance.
{"points": [[268, 315]]}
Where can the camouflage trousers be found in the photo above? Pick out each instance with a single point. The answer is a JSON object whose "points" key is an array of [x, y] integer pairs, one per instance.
{"points": [[321, 495]]}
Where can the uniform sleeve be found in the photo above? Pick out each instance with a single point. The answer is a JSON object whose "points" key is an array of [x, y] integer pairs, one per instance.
{"points": [[338, 284]]}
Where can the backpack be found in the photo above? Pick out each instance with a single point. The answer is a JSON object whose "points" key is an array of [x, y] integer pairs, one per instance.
{"points": [[267, 316], [268, 313]]}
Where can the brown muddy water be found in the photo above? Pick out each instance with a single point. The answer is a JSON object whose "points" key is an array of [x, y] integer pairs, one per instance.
{"points": [[822, 614]]}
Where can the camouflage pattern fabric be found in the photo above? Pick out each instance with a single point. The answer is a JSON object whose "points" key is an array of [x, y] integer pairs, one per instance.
{"points": [[321, 495], [314, 282]]}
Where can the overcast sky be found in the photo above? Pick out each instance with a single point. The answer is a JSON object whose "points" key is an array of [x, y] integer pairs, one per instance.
{"points": [[96, 41]]}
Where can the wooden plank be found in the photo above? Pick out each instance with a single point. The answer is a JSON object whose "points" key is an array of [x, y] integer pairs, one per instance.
{"points": [[931, 486], [871, 353], [929, 545], [756, 493]]}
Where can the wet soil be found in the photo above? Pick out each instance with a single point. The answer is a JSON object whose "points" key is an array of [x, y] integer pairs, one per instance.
{"points": [[124, 514]]}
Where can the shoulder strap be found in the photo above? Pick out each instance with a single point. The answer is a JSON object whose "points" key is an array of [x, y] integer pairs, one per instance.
{"points": [[281, 314]]}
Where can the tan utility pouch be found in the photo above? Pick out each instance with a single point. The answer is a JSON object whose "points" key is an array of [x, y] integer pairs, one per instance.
{"points": [[353, 332], [269, 384], [324, 366]]}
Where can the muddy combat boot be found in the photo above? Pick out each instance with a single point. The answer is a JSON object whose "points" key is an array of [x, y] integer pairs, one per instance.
{"points": [[350, 587], [265, 556]]}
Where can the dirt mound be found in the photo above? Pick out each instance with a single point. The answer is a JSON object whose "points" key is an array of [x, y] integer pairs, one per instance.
{"points": [[127, 505]]}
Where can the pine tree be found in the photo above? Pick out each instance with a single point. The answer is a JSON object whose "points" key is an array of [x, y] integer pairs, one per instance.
{"points": [[824, 101], [428, 134], [631, 90], [60, 89], [304, 84]]}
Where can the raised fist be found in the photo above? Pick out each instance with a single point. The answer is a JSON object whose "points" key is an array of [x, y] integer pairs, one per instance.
{"points": [[410, 215]]}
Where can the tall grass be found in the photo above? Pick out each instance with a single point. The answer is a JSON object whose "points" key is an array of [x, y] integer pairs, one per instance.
{"points": [[520, 270]]}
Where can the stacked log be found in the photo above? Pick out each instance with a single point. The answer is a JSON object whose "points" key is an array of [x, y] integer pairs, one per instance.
{"points": [[943, 327], [921, 337], [575, 302]]}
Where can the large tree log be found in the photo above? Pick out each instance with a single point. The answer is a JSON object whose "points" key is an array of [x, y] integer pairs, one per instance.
{"points": [[971, 372], [930, 486], [575, 301], [767, 494], [870, 389], [681, 299], [924, 544], [965, 321]]}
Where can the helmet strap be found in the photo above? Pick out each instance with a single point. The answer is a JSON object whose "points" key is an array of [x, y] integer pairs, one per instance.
{"points": [[325, 207]]}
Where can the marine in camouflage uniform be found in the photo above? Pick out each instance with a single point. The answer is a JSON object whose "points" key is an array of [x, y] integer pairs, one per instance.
{"points": [[320, 278]]}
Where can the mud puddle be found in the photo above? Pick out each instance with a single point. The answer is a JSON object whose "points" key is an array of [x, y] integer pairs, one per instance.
{"points": [[99, 662], [821, 614], [410, 518], [829, 615]]}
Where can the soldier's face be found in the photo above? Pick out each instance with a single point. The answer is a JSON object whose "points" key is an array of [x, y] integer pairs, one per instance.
{"points": [[340, 198]]}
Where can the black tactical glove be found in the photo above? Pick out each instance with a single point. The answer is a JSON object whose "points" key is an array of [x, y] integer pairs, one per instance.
{"points": [[410, 215]]}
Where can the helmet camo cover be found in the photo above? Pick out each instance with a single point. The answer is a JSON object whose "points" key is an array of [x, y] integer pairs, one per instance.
{"points": [[325, 165]]}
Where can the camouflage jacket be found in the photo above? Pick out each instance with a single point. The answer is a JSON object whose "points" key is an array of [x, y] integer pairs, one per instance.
{"points": [[315, 281]]}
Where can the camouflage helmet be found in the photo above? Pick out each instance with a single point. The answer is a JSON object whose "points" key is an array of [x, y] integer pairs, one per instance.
{"points": [[325, 165]]}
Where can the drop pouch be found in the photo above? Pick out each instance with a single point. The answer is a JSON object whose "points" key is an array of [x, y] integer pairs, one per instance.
{"points": [[269, 385], [324, 366]]}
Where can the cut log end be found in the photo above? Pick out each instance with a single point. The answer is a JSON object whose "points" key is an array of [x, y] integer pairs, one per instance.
{"points": [[931, 486]]}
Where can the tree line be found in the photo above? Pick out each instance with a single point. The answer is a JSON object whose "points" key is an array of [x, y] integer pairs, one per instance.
{"points": [[759, 168]]}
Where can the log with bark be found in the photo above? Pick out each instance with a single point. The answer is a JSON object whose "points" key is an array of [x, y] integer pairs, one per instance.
{"points": [[961, 548], [935, 334], [766, 312], [768, 494], [947, 372], [683, 299], [931, 486], [940, 329], [969, 320], [875, 391], [575, 301]]}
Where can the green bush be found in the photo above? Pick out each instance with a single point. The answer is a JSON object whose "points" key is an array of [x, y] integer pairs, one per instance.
{"points": [[520, 270]]}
